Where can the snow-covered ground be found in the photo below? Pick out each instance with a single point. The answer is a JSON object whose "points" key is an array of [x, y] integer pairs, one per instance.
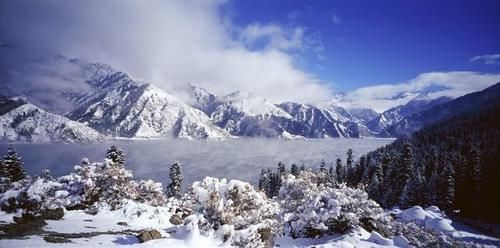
{"points": [[107, 229]]}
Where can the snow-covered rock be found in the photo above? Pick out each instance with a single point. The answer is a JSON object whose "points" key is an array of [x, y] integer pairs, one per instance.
{"points": [[376, 238], [439, 225], [401, 241]]}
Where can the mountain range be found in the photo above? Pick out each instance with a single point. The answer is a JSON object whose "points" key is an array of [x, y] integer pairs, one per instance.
{"points": [[101, 102]]}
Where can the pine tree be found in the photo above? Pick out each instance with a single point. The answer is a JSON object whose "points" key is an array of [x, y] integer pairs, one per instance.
{"points": [[350, 171], [302, 167], [349, 159], [13, 166], [3, 170], [322, 167], [405, 171], [265, 182], [447, 187], [339, 170], [175, 186], [294, 170], [431, 188], [116, 155], [407, 160], [412, 192], [332, 174], [373, 188]]}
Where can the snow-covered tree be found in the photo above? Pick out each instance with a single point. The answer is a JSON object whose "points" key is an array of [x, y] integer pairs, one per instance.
{"points": [[412, 191], [12, 166], [116, 155], [174, 188], [447, 187], [265, 181]]}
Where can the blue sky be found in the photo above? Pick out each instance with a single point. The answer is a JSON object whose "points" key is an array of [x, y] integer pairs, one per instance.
{"points": [[366, 42], [354, 53]]}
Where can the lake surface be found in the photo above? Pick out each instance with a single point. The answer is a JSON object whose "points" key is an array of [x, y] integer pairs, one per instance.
{"points": [[233, 159]]}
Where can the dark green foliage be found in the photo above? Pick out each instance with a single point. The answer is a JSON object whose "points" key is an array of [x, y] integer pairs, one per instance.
{"points": [[452, 164], [116, 155], [174, 188]]}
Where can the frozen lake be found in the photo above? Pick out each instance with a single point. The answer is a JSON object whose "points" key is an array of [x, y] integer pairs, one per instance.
{"points": [[233, 159]]}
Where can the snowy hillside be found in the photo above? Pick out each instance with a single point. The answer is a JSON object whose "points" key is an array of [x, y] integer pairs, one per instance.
{"points": [[28, 123], [133, 110]]}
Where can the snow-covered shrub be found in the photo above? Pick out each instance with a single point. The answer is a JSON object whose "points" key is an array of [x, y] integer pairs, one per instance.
{"points": [[110, 183], [233, 211], [33, 195], [311, 209], [91, 184], [105, 182], [149, 192]]}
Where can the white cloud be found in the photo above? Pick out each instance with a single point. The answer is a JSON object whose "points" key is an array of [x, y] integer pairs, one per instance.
{"points": [[165, 42], [273, 37], [384, 96], [489, 59]]}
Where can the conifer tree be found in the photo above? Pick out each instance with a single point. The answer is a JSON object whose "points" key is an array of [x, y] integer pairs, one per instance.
{"points": [[3, 170], [349, 159], [174, 188], [405, 169], [339, 170], [302, 167], [412, 192], [265, 181], [322, 167], [447, 187], [350, 171], [294, 170], [373, 188], [116, 155], [13, 166], [331, 177], [431, 188]]}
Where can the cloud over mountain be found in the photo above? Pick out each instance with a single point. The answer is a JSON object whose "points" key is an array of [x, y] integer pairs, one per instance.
{"points": [[166, 42]]}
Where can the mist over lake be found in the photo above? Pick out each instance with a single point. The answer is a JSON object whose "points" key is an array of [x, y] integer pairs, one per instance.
{"points": [[233, 159]]}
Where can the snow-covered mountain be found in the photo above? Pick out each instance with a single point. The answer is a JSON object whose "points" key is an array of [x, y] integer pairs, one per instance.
{"points": [[315, 122], [246, 114], [115, 104], [21, 121], [388, 118], [143, 110], [469, 103]]}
